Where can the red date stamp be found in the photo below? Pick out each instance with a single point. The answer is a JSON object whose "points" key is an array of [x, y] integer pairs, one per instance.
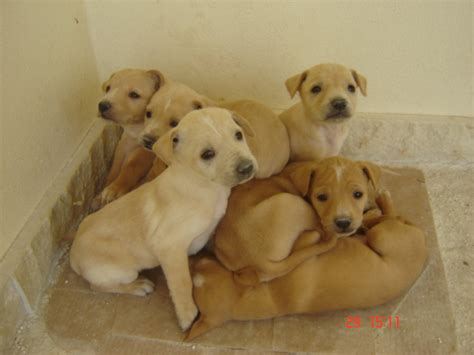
{"points": [[376, 322]]}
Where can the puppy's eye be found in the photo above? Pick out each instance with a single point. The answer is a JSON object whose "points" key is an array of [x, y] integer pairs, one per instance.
{"points": [[208, 154], [107, 88], [357, 194], [322, 197], [315, 89], [133, 95], [175, 140], [148, 114], [238, 135], [173, 123], [351, 88]]}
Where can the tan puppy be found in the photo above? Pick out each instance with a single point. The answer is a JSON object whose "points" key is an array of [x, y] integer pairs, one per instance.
{"points": [[164, 221], [351, 275], [270, 144], [266, 220], [127, 93], [317, 126]]}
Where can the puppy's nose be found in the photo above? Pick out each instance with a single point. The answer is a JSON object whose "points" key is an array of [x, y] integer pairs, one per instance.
{"points": [[104, 106], [148, 141], [245, 168], [339, 104], [342, 223]]}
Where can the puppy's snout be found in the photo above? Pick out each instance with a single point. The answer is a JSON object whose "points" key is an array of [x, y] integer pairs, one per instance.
{"points": [[245, 168], [342, 223], [104, 106], [339, 104], [148, 141]]}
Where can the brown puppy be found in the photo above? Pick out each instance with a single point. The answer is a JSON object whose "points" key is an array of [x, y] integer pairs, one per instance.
{"points": [[270, 145], [269, 228], [317, 126], [127, 92], [351, 275]]}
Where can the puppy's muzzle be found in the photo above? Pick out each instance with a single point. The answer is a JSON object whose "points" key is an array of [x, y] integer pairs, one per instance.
{"points": [[148, 141], [104, 107], [338, 109], [245, 169], [343, 224]]}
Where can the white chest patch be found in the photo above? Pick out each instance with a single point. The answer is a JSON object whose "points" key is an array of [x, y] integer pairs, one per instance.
{"points": [[219, 211]]}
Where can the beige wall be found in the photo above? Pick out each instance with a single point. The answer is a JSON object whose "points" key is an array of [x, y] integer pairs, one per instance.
{"points": [[417, 55], [49, 83]]}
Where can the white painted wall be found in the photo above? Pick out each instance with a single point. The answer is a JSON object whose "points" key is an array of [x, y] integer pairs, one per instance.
{"points": [[416, 54], [49, 89]]}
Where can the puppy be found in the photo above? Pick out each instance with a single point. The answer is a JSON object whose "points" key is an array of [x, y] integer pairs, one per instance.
{"points": [[317, 126], [269, 228], [164, 221], [127, 93], [270, 145], [352, 275]]}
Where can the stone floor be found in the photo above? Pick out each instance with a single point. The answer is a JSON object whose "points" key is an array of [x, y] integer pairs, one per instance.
{"points": [[436, 314]]}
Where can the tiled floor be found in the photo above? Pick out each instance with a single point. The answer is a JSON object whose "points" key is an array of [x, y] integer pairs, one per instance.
{"points": [[76, 319]]}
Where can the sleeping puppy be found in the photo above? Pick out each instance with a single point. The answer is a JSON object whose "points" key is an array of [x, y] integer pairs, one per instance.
{"points": [[352, 275], [270, 145], [318, 125], [126, 94], [164, 221], [270, 228]]}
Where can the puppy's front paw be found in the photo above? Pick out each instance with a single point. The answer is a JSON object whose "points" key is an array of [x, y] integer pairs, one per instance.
{"points": [[187, 315], [111, 193]]}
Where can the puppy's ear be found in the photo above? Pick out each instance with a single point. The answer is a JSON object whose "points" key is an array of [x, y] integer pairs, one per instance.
{"points": [[361, 81], [203, 102], [242, 122], [164, 147], [372, 172], [302, 178], [105, 83], [293, 84], [158, 77]]}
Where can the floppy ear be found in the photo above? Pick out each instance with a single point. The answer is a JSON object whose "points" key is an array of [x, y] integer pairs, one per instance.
{"points": [[372, 172], [164, 147], [242, 122], [302, 178], [158, 77], [199, 327], [105, 83], [203, 102], [361, 81], [293, 84]]}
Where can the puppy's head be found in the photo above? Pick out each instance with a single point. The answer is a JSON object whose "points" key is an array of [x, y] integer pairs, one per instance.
{"points": [[212, 142], [338, 189], [126, 94], [328, 91], [167, 107]]}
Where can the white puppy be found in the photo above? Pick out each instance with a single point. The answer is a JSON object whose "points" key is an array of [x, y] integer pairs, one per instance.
{"points": [[171, 217]]}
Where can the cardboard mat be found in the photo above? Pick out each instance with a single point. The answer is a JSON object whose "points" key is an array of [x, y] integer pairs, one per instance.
{"points": [[422, 322]]}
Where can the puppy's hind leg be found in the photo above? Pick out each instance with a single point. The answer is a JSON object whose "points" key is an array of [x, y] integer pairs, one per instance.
{"points": [[119, 281]]}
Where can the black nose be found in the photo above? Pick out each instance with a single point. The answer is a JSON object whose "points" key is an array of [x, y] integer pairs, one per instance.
{"points": [[342, 223], [104, 106], [148, 141], [245, 167], [339, 104]]}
